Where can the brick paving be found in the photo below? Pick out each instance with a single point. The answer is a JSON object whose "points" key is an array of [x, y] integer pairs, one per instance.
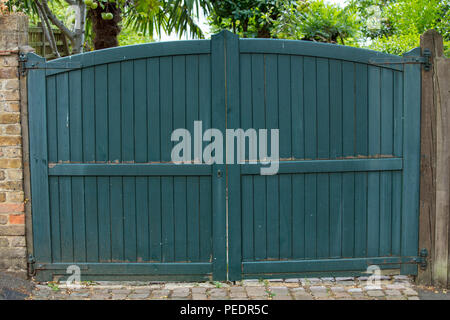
{"points": [[391, 288]]}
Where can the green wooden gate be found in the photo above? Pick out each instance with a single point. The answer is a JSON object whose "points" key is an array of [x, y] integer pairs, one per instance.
{"points": [[106, 197]]}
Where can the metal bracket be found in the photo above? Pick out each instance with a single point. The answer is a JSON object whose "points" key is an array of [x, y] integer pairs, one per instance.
{"points": [[425, 59], [31, 263], [25, 65], [22, 64], [422, 259]]}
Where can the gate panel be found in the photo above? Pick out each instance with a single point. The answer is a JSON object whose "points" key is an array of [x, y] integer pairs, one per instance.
{"points": [[336, 204], [117, 206]]}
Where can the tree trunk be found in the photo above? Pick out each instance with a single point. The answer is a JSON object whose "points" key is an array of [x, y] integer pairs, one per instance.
{"points": [[105, 31]]}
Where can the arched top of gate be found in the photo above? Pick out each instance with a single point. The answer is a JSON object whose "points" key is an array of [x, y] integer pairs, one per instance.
{"points": [[188, 47], [321, 50], [125, 53]]}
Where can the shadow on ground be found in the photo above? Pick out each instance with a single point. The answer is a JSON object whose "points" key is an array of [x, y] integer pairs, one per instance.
{"points": [[14, 288]]}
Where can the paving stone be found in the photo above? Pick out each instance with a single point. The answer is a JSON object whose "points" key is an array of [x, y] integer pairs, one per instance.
{"points": [[355, 290], [217, 292], [142, 291], [252, 283], [180, 293], [340, 294], [282, 297], [121, 291], [238, 294], [161, 293], [375, 293], [395, 298], [198, 290], [401, 277], [139, 296], [42, 293], [395, 286], [206, 285], [275, 280], [292, 280], [371, 288], [410, 292], [316, 289], [119, 296], [413, 298], [199, 296], [337, 289], [303, 296], [298, 290], [309, 281], [256, 291], [393, 292], [79, 294], [103, 296], [344, 278]]}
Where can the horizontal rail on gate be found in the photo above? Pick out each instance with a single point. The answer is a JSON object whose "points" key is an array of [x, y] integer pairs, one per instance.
{"points": [[320, 265], [323, 166], [132, 52], [318, 50], [111, 268], [137, 169]]}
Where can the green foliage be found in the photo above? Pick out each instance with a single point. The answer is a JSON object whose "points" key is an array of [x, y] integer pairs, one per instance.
{"points": [[395, 26], [247, 18], [316, 20]]}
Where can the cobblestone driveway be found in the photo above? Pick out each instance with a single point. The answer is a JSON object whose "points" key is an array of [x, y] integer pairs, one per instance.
{"points": [[392, 288]]}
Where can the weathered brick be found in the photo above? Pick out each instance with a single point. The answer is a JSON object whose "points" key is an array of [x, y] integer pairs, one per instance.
{"points": [[9, 61], [13, 253], [11, 207], [11, 185], [13, 129], [12, 153], [10, 141], [17, 219], [17, 242], [15, 196], [11, 84], [12, 230], [2, 197], [3, 218], [9, 106], [8, 118], [4, 242], [8, 73]]}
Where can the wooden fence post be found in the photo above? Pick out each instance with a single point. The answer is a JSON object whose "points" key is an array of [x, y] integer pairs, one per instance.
{"points": [[435, 163]]}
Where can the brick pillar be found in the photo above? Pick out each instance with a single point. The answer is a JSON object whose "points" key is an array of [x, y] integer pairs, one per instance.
{"points": [[13, 253]]}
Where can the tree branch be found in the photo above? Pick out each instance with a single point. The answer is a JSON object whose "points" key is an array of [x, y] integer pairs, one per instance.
{"points": [[47, 29], [56, 21]]}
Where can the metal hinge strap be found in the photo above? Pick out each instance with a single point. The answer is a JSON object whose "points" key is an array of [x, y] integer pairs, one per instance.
{"points": [[425, 59], [31, 263]]}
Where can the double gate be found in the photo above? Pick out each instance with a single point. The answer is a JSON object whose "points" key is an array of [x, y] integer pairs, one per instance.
{"points": [[107, 198]]}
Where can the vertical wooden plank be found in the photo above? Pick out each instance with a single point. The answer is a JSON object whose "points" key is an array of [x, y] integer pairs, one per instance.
{"points": [[90, 183], [272, 188], [398, 151], [232, 120], [361, 149], [411, 163], [298, 149], [192, 183], [336, 122], [128, 154], [179, 121], [310, 114], [115, 155], [140, 141], [103, 100], [259, 182], [65, 201], [373, 178], [154, 155], [247, 181], [37, 122], [348, 149], [323, 152], [285, 126], [387, 148], [76, 155], [205, 182], [52, 144], [166, 109], [219, 56]]}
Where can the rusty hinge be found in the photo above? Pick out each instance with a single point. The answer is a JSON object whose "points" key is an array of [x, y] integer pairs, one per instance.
{"points": [[25, 65], [421, 260], [425, 59], [31, 262]]}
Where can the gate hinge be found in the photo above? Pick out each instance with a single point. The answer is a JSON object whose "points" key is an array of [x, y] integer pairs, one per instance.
{"points": [[31, 263], [23, 64], [421, 260], [425, 59]]}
